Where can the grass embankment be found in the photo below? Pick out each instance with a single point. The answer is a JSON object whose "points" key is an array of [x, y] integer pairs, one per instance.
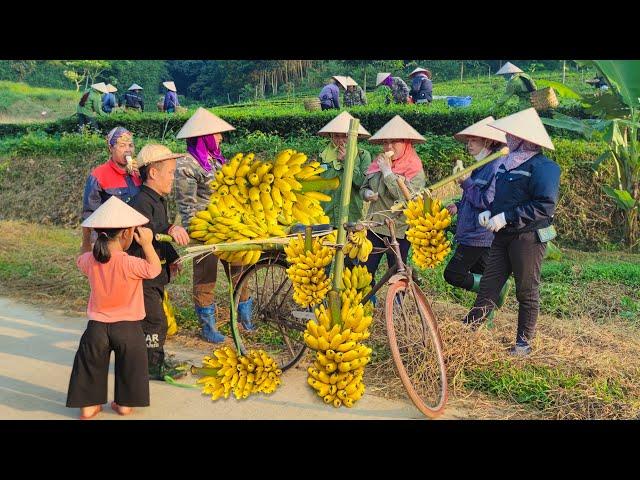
{"points": [[22, 103]]}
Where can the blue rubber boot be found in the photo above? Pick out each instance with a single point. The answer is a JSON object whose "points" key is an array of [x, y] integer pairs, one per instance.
{"points": [[245, 310], [207, 317]]}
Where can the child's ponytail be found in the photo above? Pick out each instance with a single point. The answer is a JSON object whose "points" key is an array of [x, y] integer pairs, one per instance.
{"points": [[101, 250]]}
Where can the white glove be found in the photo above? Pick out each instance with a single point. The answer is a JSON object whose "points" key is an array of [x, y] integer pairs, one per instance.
{"points": [[370, 195], [483, 218], [497, 222], [384, 165]]}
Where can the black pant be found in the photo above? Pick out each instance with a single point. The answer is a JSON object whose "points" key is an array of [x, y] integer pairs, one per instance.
{"points": [[466, 261], [88, 382], [520, 254], [83, 120], [326, 107], [154, 325], [374, 258]]}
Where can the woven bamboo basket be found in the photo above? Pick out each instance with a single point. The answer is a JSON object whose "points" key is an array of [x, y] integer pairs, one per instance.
{"points": [[312, 104], [544, 99]]}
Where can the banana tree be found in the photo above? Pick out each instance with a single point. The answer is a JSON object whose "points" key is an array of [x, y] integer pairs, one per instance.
{"points": [[618, 116]]}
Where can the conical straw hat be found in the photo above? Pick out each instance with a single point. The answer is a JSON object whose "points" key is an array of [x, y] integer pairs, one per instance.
{"points": [[154, 152], [203, 122], [135, 86], [508, 68], [340, 124], [526, 125], [351, 82], [483, 130], [114, 213], [342, 80], [397, 129], [170, 85], [417, 70], [101, 87], [111, 88], [381, 78]]}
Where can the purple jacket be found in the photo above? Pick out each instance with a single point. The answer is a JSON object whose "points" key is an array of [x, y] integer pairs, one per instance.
{"points": [[170, 100], [478, 193], [330, 96]]}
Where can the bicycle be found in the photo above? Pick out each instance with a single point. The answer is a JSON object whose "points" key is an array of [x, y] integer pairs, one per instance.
{"points": [[412, 330], [414, 339], [279, 323]]}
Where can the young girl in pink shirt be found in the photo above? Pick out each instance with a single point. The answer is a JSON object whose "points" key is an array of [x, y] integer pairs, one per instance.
{"points": [[115, 311]]}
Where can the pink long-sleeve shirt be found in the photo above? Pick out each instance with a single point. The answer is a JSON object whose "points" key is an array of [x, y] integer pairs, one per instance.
{"points": [[116, 286]]}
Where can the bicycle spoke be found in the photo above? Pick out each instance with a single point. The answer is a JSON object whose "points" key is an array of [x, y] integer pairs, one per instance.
{"points": [[276, 330], [418, 353]]}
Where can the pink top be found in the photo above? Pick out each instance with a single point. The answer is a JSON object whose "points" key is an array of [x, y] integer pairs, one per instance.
{"points": [[116, 286]]}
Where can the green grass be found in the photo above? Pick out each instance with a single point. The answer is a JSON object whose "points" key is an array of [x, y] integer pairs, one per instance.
{"points": [[612, 272], [21, 103], [533, 385], [581, 284]]}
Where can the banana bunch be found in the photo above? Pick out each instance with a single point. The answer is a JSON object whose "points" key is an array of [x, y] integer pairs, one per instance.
{"points": [[428, 221], [255, 199], [307, 270], [357, 284], [226, 372], [336, 374], [358, 245]]}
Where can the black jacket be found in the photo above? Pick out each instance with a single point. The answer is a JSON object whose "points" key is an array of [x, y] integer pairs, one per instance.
{"points": [[421, 88], [133, 99], [153, 206], [527, 194]]}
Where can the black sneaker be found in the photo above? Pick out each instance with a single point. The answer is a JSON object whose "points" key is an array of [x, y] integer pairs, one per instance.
{"points": [[520, 350]]}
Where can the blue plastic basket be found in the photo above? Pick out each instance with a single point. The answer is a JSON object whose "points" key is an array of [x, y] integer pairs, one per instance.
{"points": [[458, 101]]}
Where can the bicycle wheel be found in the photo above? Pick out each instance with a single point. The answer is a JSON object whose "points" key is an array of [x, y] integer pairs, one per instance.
{"points": [[416, 347], [279, 322]]}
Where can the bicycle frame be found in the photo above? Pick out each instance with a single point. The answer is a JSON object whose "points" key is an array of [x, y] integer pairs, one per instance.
{"points": [[399, 267]]}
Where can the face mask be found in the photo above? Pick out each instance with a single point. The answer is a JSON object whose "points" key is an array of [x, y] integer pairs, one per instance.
{"points": [[483, 154]]}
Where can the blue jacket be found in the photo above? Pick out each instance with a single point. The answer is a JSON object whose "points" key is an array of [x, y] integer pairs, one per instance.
{"points": [[109, 102], [330, 96], [477, 194], [527, 194]]}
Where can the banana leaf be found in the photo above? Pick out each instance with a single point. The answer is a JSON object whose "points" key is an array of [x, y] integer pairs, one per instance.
{"points": [[606, 105], [624, 76], [561, 89], [569, 123], [623, 199]]}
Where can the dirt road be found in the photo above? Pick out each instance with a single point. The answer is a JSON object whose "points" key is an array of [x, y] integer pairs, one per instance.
{"points": [[36, 354]]}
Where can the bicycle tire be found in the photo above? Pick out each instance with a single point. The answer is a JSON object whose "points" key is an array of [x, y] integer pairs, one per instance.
{"points": [[416, 347], [276, 332]]}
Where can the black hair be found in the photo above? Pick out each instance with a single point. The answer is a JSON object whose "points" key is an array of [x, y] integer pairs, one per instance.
{"points": [[144, 173], [144, 170], [101, 248]]}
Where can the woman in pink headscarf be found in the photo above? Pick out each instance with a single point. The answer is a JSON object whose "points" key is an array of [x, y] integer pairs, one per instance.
{"points": [[381, 189], [203, 133]]}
